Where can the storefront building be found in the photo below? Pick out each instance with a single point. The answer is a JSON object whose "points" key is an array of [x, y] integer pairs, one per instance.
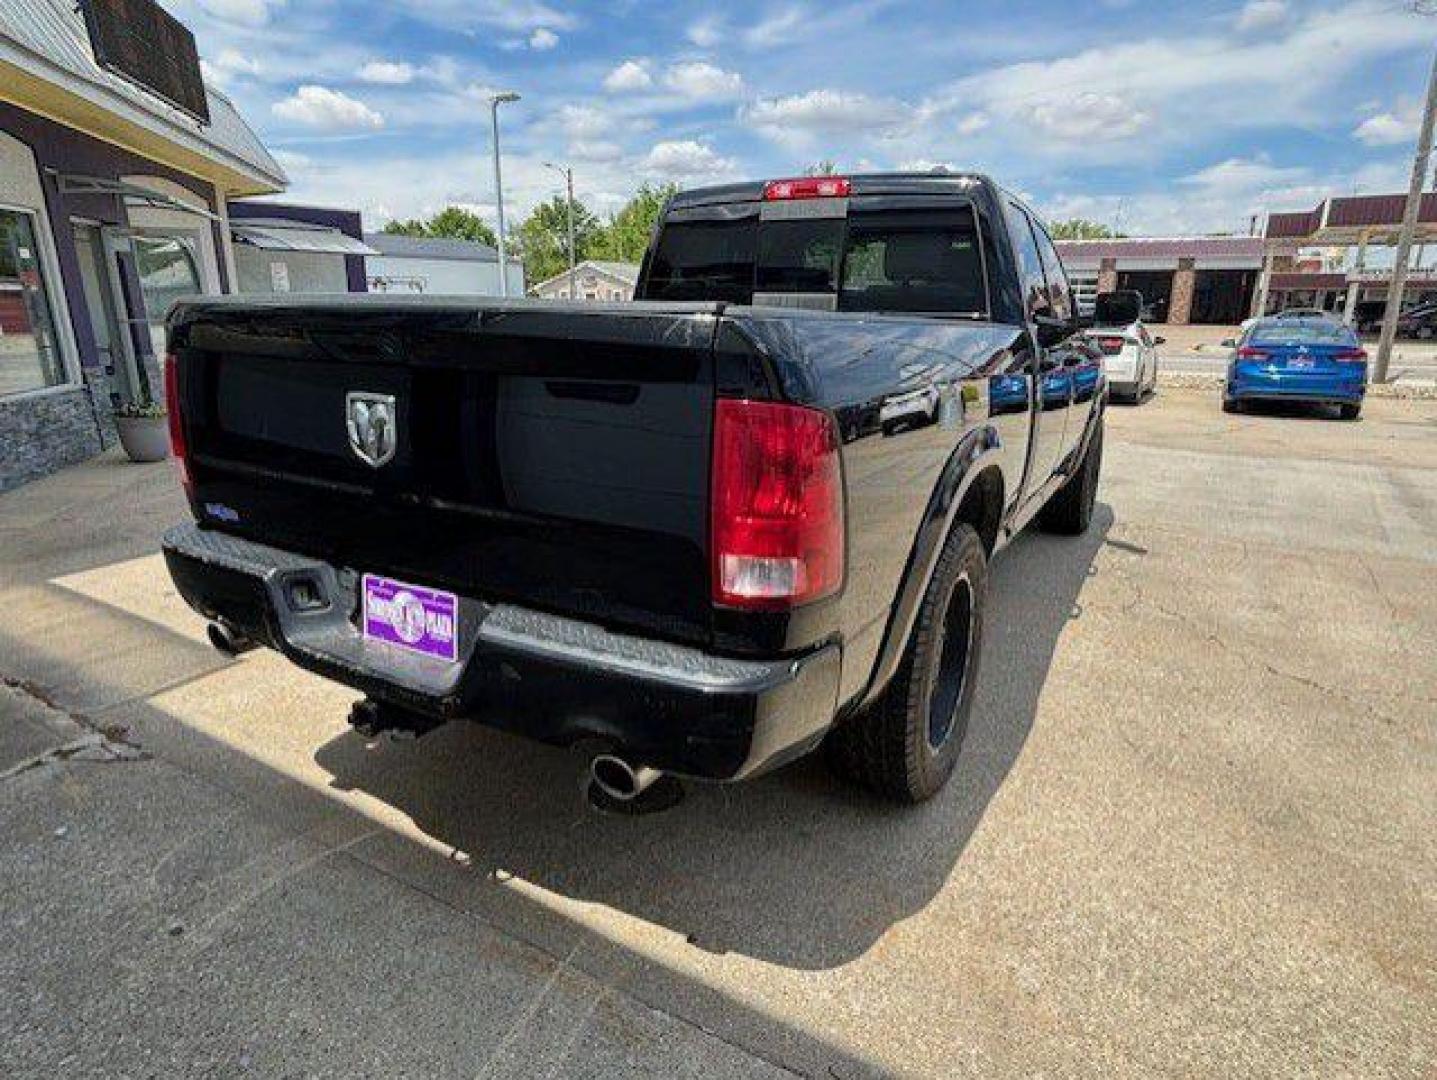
{"points": [[112, 204], [1184, 279]]}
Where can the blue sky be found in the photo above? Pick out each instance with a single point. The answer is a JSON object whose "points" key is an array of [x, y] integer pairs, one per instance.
{"points": [[1159, 118]]}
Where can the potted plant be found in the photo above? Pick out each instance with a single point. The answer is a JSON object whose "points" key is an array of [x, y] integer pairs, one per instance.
{"points": [[144, 430]]}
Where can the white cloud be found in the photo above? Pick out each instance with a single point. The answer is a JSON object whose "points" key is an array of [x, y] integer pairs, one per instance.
{"points": [[822, 112], [684, 159], [1215, 85], [1392, 128], [630, 75], [543, 39], [516, 16], [707, 32], [229, 63], [321, 107], [972, 123], [1261, 15], [1089, 117], [243, 12], [702, 81], [387, 72], [595, 150], [293, 161], [777, 29], [584, 121], [1242, 175], [924, 165]]}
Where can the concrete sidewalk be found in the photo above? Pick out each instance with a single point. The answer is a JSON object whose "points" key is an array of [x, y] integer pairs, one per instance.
{"points": [[1191, 832]]}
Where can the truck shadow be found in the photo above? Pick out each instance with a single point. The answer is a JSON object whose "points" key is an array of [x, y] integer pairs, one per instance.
{"points": [[795, 869]]}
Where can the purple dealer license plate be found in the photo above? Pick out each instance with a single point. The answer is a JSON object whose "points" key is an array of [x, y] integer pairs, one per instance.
{"points": [[421, 620]]}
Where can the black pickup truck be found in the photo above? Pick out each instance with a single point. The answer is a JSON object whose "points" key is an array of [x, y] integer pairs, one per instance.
{"points": [[703, 533]]}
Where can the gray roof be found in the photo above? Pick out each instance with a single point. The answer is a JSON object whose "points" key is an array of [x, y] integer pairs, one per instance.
{"points": [[430, 247], [53, 33]]}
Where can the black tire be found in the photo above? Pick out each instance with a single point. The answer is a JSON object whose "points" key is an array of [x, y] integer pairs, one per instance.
{"points": [[905, 745], [1231, 406], [1070, 511], [1349, 412]]}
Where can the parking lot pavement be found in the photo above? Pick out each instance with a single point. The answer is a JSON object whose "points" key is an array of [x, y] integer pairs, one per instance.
{"points": [[1191, 832]]}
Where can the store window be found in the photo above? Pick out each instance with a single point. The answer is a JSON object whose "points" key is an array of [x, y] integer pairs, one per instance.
{"points": [[168, 270], [29, 349]]}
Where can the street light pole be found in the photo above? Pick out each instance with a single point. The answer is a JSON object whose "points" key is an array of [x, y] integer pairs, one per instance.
{"points": [[568, 173], [495, 100], [1409, 230]]}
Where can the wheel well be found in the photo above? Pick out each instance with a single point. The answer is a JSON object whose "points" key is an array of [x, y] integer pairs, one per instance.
{"points": [[982, 506]]}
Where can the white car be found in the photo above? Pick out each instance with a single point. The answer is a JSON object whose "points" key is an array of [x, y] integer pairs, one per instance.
{"points": [[1130, 353]]}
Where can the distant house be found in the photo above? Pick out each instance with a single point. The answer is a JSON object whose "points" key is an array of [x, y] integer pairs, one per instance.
{"points": [[423, 264], [592, 279]]}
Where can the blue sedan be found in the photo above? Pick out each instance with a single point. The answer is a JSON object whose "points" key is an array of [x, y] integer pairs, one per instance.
{"points": [[1311, 360]]}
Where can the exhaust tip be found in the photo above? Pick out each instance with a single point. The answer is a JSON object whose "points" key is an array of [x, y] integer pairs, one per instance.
{"points": [[617, 786], [619, 780], [227, 639]]}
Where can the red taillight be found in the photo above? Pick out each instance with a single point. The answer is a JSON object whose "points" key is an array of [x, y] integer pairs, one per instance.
{"points": [[1247, 352], [1111, 346], [776, 508], [1351, 356], [807, 187], [178, 448]]}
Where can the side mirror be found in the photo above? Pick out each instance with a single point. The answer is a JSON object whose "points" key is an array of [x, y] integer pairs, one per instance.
{"points": [[1229, 343], [1051, 330]]}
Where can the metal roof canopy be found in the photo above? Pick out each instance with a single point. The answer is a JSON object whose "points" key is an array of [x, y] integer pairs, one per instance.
{"points": [[276, 235], [1345, 220], [75, 184]]}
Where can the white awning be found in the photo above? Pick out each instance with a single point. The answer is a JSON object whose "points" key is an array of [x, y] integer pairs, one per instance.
{"points": [[287, 236]]}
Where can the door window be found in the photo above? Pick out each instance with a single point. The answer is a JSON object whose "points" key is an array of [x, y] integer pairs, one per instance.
{"points": [[1060, 295], [168, 270], [1030, 263], [29, 349]]}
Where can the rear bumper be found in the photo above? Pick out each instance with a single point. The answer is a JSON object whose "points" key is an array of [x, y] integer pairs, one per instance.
{"points": [[551, 678], [1341, 390]]}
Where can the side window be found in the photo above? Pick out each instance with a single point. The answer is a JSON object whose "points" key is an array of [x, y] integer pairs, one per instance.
{"points": [[1060, 295], [1030, 263]]}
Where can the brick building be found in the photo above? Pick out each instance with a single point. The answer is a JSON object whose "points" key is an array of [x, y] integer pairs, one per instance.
{"points": [[1183, 279]]}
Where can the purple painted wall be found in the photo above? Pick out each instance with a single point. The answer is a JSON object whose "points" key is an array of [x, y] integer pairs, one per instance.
{"points": [[346, 221], [64, 149]]}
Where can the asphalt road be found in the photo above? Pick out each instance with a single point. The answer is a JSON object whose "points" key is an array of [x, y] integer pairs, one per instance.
{"points": [[1192, 832]]}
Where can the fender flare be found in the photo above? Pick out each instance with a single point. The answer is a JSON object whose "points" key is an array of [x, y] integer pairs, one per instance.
{"points": [[976, 450]]}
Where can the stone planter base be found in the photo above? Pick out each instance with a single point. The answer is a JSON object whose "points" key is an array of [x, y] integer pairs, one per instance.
{"points": [[144, 438]]}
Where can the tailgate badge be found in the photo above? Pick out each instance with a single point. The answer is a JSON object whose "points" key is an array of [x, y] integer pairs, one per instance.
{"points": [[371, 419]]}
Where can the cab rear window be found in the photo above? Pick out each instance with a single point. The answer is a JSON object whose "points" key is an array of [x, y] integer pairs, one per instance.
{"points": [[888, 260]]}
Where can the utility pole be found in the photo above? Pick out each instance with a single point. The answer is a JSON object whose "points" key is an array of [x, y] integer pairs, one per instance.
{"points": [[568, 174], [495, 100], [1409, 230]]}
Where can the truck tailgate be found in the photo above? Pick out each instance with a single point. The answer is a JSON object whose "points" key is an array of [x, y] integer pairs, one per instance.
{"points": [[552, 455]]}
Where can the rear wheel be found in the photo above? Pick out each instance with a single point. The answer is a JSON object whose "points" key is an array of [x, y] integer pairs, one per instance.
{"points": [[1070, 511], [906, 744], [1231, 405], [1349, 412]]}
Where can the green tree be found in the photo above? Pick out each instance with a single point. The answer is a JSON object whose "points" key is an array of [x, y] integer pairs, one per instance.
{"points": [[1079, 229], [453, 222], [826, 167], [627, 234], [543, 238]]}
